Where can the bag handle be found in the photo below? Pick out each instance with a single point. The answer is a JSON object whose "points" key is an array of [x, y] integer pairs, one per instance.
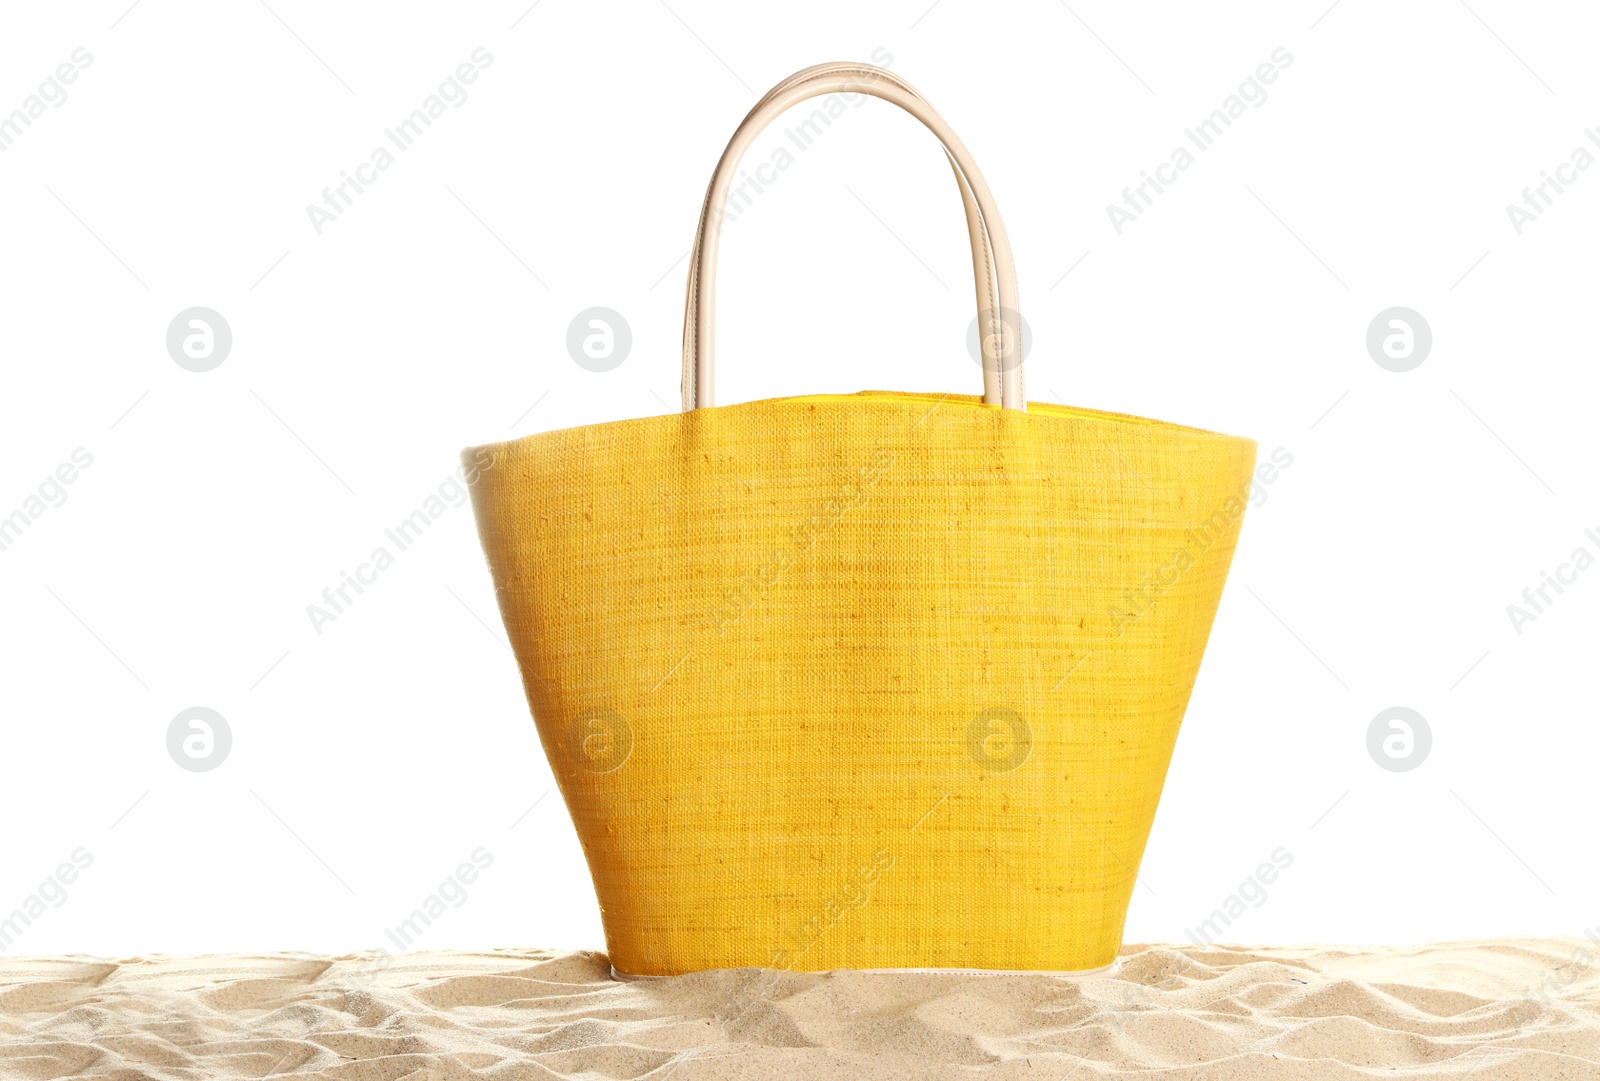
{"points": [[993, 269]]}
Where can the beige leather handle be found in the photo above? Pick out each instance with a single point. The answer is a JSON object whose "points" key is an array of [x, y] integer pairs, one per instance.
{"points": [[993, 269]]}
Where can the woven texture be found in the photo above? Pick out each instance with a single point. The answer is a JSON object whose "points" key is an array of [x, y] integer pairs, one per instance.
{"points": [[872, 681]]}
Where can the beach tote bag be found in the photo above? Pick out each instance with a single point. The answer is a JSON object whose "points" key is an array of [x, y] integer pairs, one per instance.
{"points": [[885, 680]]}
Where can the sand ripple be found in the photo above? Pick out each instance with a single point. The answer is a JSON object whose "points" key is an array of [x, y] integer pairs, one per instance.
{"points": [[1513, 1010]]}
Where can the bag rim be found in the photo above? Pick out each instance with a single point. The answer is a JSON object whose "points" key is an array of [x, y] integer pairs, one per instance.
{"points": [[1046, 410]]}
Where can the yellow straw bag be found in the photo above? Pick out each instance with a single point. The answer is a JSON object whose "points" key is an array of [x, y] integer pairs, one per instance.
{"points": [[862, 681]]}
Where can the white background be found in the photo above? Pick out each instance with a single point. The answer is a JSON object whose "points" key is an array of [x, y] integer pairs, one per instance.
{"points": [[369, 760]]}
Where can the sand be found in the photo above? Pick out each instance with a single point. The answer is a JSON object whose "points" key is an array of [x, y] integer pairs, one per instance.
{"points": [[1510, 1009]]}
